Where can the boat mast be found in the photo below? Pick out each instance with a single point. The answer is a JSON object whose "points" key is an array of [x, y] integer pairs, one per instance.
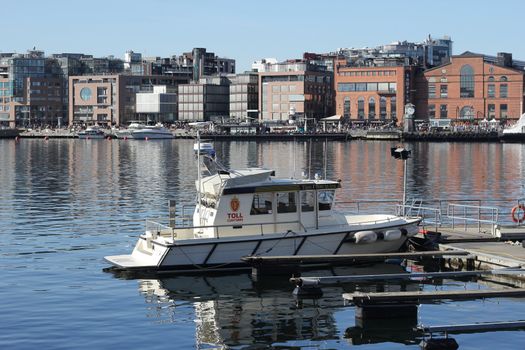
{"points": [[199, 176]]}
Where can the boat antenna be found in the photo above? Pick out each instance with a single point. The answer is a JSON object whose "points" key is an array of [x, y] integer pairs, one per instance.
{"points": [[197, 126]]}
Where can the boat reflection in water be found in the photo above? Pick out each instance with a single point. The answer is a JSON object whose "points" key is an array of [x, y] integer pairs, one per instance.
{"points": [[232, 310]]}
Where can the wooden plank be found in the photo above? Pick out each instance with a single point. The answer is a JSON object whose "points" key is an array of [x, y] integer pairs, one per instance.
{"points": [[299, 259], [418, 296]]}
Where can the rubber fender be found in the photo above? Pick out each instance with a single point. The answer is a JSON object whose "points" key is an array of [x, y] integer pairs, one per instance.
{"points": [[392, 235], [364, 237]]}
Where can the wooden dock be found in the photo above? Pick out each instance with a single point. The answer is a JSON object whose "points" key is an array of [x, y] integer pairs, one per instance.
{"points": [[314, 281], [417, 297], [472, 327], [346, 258]]}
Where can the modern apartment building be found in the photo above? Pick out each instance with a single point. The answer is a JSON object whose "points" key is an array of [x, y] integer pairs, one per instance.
{"points": [[472, 86], [206, 100], [295, 88], [376, 93], [429, 53], [110, 99], [244, 96], [29, 94], [160, 105]]}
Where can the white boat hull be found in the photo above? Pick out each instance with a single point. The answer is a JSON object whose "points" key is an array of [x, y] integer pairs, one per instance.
{"points": [[194, 254]]}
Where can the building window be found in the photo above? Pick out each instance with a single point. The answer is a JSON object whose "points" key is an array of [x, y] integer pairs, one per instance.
{"points": [[432, 91], [503, 111], [491, 90], [431, 111], [371, 108], [491, 78], [361, 108], [466, 81], [443, 91], [466, 112], [382, 107], [491, 111], [345, 87], [443, 112], [393, 107], [346, 108], [503, 90], [503, 78]]}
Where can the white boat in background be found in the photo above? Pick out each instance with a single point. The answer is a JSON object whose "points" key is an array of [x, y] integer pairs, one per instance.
{"points": [[147, 132], [92, 132], [125, 133], [516, 132], [251, 212]]}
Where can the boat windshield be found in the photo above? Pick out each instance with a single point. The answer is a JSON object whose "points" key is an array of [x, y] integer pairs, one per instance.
{"points": [[325, 199]]}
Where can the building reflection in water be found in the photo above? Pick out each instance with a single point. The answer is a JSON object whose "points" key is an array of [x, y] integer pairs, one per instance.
{"points": [[232, 310]]}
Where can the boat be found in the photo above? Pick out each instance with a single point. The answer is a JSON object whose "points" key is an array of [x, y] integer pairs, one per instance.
{"points": [[92, 132], [125, 133], [516, 132], [151, 132], [252, 212]]}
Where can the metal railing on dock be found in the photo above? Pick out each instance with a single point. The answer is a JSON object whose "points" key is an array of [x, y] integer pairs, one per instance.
{"points": [[444, 212]]}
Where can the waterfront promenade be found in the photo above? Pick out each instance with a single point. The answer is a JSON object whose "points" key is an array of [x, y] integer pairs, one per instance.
{"points": [[362, 134]]}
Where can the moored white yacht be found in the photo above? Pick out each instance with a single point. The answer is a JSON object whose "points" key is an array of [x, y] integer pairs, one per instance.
{"points": [[515, 132], [252, 212], [125, 133], [92, 132], [151, 132]]}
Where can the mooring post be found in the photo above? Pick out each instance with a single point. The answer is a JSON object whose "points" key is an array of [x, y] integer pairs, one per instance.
{"points": [[367, 314]]}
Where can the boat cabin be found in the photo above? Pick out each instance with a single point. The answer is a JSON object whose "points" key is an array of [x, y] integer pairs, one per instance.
{"points": [[254, 200]]}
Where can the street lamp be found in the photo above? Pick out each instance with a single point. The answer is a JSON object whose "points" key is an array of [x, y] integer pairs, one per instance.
{"points": [[402, 154]]}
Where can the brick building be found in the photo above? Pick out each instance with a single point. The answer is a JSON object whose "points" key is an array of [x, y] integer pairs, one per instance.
{"points": [[295, 87], [110, 99], [472, 87], [375, 93]]}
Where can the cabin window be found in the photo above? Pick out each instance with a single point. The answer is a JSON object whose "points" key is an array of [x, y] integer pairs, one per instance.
{"points": [[286, 202], [307, 201], [325, 199], [261, 204]]}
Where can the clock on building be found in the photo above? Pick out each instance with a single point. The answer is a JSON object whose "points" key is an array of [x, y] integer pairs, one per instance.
{"points": [[409, 109], [85, 94]]}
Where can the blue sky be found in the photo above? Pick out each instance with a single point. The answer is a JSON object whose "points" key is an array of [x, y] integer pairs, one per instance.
{"points": [[249, 30]]}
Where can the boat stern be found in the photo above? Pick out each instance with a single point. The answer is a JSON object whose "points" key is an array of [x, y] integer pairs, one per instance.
{"points": [[146, 255]]}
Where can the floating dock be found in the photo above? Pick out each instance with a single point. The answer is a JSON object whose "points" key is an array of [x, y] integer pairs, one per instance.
{"points": [[345, 259], [417, 297]]}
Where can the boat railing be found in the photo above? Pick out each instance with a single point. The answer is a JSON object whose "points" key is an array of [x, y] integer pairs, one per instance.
{"points": [[479, 213], [182, 232], [431, 216]]}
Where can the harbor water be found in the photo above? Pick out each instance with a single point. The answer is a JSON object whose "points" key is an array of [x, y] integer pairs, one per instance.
{"points": [[65, 204]]}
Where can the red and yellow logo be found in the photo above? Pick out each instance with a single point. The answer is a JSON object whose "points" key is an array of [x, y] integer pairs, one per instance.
{"points": [[235, 204]]}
